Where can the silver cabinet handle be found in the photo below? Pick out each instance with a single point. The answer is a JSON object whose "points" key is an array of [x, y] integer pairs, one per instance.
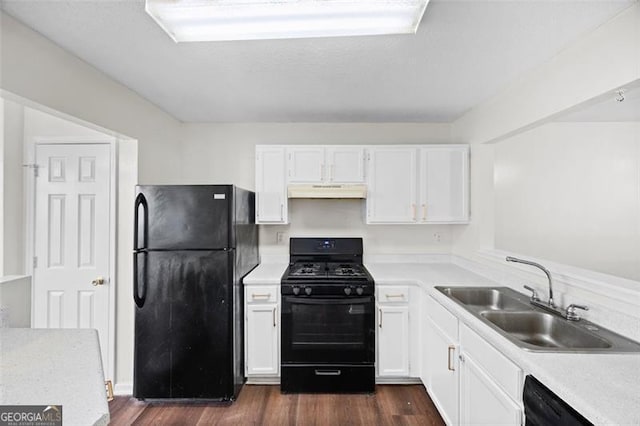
{"points": [[424, 212], [331, 172], [413, 210], [274, 317], [451, 348], [260, 295], [281, 211], [391, 296], [379, 318], [328, 372]]}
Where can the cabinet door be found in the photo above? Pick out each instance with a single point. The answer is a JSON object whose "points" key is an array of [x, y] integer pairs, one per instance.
{"points": [[442, 371], [393, 341], [345, 165], [306, 164], [271, 185], [481, 400], [444, 184], [391, 196], [262, 340]]}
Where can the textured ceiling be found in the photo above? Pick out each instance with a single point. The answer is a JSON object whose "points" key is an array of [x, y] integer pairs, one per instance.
{"points": [[463, 53]]}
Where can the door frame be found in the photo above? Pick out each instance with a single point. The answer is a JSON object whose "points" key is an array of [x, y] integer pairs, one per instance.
{"points": [[30, 217]]}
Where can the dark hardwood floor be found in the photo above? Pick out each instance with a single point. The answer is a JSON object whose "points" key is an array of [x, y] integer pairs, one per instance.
{"points": [[265, 405]]}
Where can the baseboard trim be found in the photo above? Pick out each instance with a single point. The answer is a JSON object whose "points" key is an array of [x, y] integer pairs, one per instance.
{"points": [[398, 381], [123, 389]]}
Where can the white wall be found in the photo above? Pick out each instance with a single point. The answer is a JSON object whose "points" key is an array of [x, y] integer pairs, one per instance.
{"points": [[35, 68], [12, 261], [602, 61], [225, 153], [570, 192], [607, 59]]}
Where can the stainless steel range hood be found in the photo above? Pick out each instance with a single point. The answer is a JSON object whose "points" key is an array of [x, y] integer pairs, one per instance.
{"points": [[327, 191]]}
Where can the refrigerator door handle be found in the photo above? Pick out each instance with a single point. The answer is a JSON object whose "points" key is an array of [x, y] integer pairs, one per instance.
{"points": [[137, 298], [140, 201]]}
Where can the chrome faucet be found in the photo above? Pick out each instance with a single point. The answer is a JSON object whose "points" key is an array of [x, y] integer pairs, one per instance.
{"points": [[569, 314], [545, 270]]}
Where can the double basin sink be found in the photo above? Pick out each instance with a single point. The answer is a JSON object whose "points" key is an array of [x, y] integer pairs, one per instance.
{"points": [[510, 314]]}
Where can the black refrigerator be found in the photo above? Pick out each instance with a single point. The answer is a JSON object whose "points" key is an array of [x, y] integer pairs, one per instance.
{"points": [[193, 244]]}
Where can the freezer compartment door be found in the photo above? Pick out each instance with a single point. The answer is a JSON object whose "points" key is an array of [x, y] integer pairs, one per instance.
{"points": [[179, 217], [184, 329]]}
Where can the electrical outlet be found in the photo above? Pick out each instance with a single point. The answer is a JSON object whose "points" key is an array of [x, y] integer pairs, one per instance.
{"points": [[437, 237], [280, 237]]}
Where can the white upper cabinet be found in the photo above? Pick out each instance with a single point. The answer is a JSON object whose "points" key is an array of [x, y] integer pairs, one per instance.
{"points": [[306, 164], [437, 193], [406, 184], [271, 184], [444, 184], [345, 164], [325, 165], [391, 193]]}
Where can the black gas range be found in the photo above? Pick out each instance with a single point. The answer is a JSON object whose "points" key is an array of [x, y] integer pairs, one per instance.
{"points": [[328, 318]]}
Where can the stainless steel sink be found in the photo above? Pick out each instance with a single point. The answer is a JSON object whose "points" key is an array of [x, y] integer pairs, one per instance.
{"points": [[484, 298], [531, 328], [544, 330]]}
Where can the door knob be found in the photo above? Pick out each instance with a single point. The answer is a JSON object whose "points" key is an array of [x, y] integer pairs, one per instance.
{"points": [[98, 281]]}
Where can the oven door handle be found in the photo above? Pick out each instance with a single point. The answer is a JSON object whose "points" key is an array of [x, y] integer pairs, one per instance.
{"points": [[325, 301]]}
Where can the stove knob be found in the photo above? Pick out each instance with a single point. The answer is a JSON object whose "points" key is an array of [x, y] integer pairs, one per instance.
{"points": [[359, 290], [307, 290], [347, 290], [296, 290]]}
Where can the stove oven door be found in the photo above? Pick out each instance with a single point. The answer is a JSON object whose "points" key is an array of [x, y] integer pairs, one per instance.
{"points": [[323, 330]]}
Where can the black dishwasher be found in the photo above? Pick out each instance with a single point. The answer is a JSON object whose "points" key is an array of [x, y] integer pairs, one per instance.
{"points": [[544, 408]]}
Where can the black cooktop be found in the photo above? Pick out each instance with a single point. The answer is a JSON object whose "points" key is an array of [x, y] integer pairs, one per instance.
{"points": [[326, 259], [326, 270]]}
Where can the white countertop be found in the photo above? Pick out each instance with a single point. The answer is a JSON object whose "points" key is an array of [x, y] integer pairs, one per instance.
{"points": [[54, 367], [266, 274], [603, 388]]}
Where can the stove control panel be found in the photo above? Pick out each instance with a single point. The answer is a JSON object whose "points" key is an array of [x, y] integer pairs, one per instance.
{"points": [[325, 289]]}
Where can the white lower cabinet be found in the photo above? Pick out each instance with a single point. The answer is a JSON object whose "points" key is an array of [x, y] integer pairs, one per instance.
{"points": [[481, 399], [393, 341], [470, 381], [441, 349], [262, 323], [392, 331], [490, 384]]}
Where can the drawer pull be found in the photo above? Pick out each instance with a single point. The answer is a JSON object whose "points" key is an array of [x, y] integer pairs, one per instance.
{"points": [[274, 317], [451, 347], [328, 372], [391, 296], [260, 295]]}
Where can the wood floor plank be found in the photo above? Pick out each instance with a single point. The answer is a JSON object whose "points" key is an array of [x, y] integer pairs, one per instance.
{"points": [[266, 405]]}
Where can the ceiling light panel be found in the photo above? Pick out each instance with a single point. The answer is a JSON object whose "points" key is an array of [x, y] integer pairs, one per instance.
{"points": [[213, 20]]}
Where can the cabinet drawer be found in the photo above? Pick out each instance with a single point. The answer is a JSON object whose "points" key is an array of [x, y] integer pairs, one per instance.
{"points": [[393, 294], [504, 372], [443, 318], [261, 293]]}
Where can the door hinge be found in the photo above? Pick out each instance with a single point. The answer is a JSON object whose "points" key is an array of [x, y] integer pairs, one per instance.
{"points": [[35, 262], [33, 166]]}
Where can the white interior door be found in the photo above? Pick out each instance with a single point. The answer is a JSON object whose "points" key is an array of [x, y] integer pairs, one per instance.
{"points": [[72, 237]]}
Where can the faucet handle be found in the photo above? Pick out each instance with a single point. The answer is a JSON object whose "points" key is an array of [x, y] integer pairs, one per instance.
{"points": [[534, 293], [571, 313]]}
